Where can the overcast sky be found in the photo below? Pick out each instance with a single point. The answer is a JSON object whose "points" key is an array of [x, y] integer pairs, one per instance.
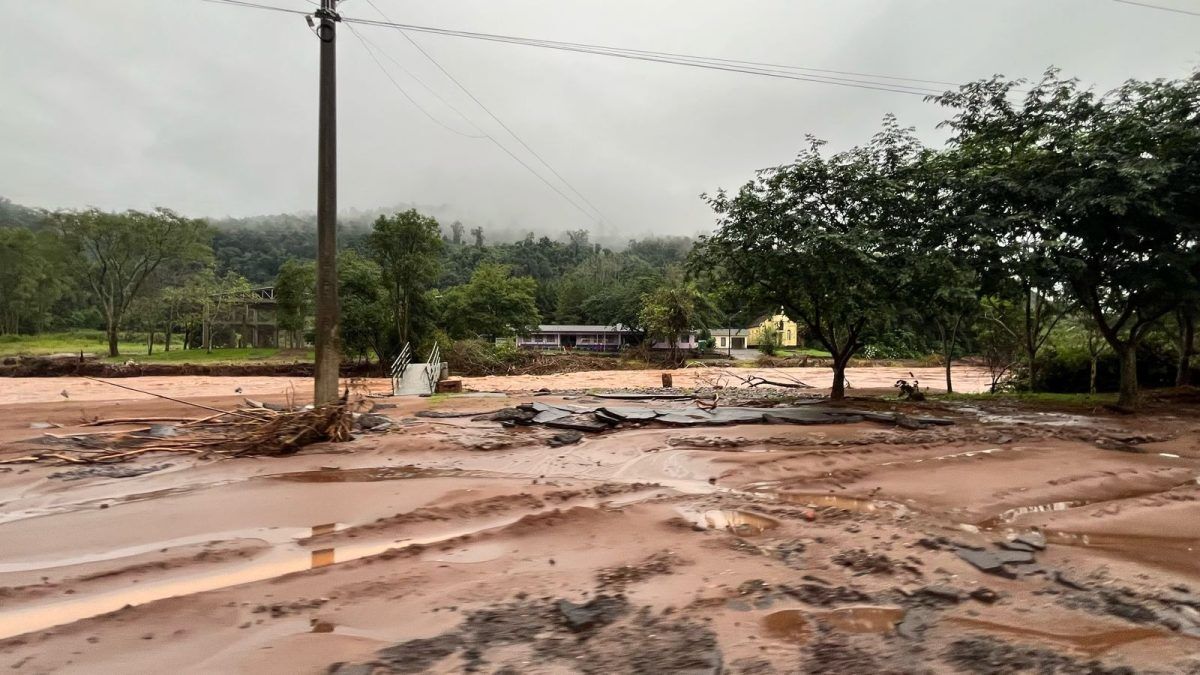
{"points": [[211, 109]]}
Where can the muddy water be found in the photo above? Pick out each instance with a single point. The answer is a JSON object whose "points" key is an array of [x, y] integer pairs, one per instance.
{"points": [[852, 504], [794, 624], [1090, 643], [284, 559], [742, 523], [1175, 553]]}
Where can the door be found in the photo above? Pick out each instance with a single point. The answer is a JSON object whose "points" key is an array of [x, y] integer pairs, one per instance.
{"points": [[739, 343], [567, 341]]}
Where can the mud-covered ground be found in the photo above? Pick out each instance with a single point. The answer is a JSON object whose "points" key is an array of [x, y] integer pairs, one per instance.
{"points": [[1014, 540]]}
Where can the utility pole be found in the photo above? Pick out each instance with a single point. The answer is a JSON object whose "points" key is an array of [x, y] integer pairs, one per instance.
{"points": [[328, 337]]}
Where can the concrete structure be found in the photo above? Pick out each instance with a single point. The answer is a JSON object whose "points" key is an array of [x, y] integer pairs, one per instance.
{"points": [[245, 318]]}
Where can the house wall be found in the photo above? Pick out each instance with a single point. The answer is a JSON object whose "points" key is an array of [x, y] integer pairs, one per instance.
{"points": [[583, 341], [789, 331]]}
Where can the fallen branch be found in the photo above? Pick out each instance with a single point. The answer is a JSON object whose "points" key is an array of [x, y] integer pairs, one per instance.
{"points": [[138, 420]]}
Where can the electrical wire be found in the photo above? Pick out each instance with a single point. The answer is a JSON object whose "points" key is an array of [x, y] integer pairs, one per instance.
{"points": [[1160, 7], [484, 134], [711, 63], [255, 5], [426, 87], [661, 57], [493, 115], [434, 119]]}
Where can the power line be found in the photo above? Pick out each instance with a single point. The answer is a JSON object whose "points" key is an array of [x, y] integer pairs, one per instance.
{"points": [[370, 52], [483, 133], [255, 5], [491, 114], [711, 63], [728, 65], [508, 152], [1160, 7]]}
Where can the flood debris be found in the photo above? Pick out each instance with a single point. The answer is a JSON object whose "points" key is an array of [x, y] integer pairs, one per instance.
{"points": [[233, 433], [595, 419], [568, 437], [995, 562]]}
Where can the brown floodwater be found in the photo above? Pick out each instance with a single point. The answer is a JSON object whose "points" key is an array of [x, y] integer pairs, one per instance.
{"points": [[794, 624], [1091, 643]]}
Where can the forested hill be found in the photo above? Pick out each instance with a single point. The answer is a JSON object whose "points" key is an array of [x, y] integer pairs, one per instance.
{"points": [[256, 247]]}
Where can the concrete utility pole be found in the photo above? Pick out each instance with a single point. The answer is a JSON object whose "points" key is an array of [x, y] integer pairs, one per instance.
{"points": [[327, 332]]}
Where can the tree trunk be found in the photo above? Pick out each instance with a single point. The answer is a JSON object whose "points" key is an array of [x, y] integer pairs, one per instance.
{"points": [[112, 340], [1129, 382], [1187, 340], [949, 382], [838, 392], [1092, 375], [150, 343]]}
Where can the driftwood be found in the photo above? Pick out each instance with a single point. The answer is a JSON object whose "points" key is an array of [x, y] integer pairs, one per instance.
{"points": [[240, 433], [138, 420]]}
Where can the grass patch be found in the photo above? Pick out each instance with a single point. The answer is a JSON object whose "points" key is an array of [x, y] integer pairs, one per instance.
{"points": [[72, 342], [247, 355], [1034, 399], [808, 351]]}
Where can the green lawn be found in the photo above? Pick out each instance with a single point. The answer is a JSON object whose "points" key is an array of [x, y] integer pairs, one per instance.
{"points": [[815, 353], [92, 342], [1035, 399], [248, 355]]}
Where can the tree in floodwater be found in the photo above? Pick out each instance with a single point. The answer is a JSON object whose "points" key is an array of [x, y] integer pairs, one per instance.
{"points": [[117, 253]]}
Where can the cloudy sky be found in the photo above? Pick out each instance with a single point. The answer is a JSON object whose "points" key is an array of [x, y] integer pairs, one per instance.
{"points": [[211, 109]]}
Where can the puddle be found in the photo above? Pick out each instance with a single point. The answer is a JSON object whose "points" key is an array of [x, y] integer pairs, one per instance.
{"points": [[852, 504], [863, 619], [326, 528], [322, 557], [364, 475], [955, 455], [1175, 553], [1090, 643], [1006, 517], [1010, 515], [741, 523], [788, 624], [286, 558], [793, 624]]}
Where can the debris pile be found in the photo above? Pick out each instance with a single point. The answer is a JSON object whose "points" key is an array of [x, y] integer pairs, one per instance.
{"points": [[597, 418], [253, 429]]}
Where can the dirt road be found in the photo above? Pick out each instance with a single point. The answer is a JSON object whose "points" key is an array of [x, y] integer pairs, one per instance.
{"points": [[452, 544]]}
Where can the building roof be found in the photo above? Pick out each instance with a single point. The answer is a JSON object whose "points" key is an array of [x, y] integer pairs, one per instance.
{"points": [[729, 332], [568, 328]]}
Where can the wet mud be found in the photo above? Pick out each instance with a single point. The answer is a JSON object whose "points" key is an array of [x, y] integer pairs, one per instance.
{"points": [[1011, 541]]}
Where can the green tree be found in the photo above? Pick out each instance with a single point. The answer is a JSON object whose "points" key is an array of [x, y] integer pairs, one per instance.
{"points": [[824, 237], [365, 316], [493, 304], [33, 277], [671, 310], [408, 247], [1099, 189], [118, 252], [294, 290], [769, 340]]}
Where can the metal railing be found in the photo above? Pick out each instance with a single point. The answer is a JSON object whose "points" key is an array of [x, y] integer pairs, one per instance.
{"points": [[399, 366], [433, 369]]}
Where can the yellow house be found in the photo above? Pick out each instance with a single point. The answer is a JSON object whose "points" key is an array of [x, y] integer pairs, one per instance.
{"points": [[789, 331]]}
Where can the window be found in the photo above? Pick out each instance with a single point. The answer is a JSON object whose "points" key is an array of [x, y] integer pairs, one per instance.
{"points": [[723, 342]]}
